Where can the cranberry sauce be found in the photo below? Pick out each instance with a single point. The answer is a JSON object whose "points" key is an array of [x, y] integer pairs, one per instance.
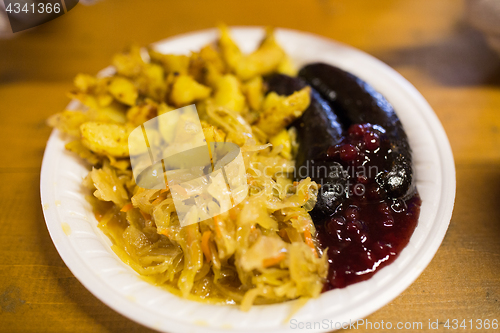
{"points": [[368, 229]]}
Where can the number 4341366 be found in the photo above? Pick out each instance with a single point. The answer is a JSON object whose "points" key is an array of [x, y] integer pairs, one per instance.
{"points": [[471, 324], [40, 8]]}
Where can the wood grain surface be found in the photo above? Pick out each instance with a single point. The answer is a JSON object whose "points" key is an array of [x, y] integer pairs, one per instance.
{"points": [[427, 41]]}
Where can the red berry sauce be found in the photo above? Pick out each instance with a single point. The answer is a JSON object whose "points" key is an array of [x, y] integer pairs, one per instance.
{"points": [[369, 229]]}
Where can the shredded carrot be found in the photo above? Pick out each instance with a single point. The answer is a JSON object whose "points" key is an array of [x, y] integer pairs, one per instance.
{"points": [[309, 241], [146, 215], [127, 207], [217, 227], [164, 190], [162, 196], [205, 246], [274, 260], [163, 232], [157, 200]]}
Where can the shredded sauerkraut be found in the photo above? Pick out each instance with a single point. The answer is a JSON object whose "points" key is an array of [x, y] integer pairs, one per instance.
{"points": [[261, 251]]}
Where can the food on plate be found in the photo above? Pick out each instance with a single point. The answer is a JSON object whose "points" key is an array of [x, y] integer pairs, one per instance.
{"points": [[295, 234], [353, 145]]}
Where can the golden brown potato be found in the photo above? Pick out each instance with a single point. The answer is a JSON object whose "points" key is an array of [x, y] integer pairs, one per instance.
{"points": [[103, 100], [210, 55], [254, 92], [287, 67], [130, 63], [114, 112], [68, 121], [229, 49], [280, 111], [105, 139], [212, 76], [165, 127], [283, 138], [185, 90], [262, 61], [197, 67], [172, 63], [149, 78], [123, 90], [212, 133], [141, 113], [228, 93], [207, 65], [122, 164], [151, 82], [78, 148], [96, 88], [93, 93], [85, 83]]}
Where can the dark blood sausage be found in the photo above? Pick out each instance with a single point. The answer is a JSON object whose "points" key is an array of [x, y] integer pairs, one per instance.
{"points": [[356, 102], [317, 130]]}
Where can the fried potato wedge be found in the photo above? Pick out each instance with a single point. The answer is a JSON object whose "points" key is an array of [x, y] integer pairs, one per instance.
{"points": [[172, 63], [280, 111], [68, 121], [130, 63], [212, 133], [123, 90], [287, 67], [78, 148], [149, 78], [151, 82], [230, 51], [254, 92], [262, 61], [85, 83], [283, 138], [228, 93], [207, 66], [105, 139], [142, 112], [185, 90]]}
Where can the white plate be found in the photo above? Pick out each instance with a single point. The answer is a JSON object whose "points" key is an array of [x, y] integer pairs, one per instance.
{"points": [[86, 251]]}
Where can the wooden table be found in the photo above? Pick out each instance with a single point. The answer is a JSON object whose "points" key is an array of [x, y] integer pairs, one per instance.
{"points": [[424, 40]]}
